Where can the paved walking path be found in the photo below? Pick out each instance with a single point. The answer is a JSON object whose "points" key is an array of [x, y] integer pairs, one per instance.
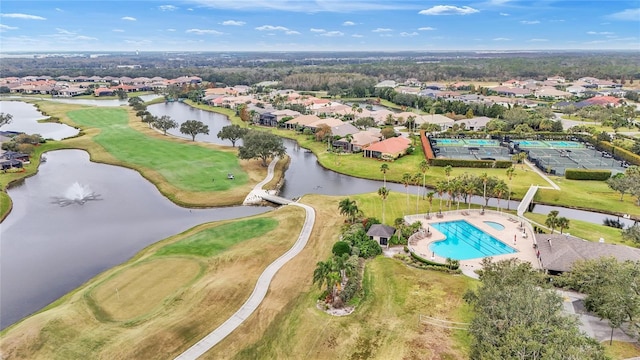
{"points": [[262, 285], [543, 175]]}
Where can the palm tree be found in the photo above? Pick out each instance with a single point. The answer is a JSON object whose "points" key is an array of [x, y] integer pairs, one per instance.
{"points": [[450, 191], [349, 209], [424, 166], [510, 172], [430, 195], [384, 168], [406, 180], [469, 188], [447, 171], [484, 177], [563, 223], [499, 189], [384, 193], [441, 187], [552, 220], [521, 157], [321, 274], [354, 108], [416, 183]]}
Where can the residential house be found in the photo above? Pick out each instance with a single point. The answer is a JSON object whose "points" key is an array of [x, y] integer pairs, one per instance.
{"points": [[301, 121], [386, 83], [102, 91], [551, 92], [363, 139], [476, 123], [388, 149], [439, 119]]}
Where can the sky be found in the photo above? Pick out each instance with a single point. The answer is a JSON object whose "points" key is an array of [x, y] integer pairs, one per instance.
{"points": [[318, 25]]}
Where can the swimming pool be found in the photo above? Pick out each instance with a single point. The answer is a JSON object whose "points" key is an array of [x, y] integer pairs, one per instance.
{"points": [[494, 225], [465, 241]]}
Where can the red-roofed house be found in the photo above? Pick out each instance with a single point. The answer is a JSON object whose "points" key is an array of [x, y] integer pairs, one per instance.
{"points": [[388, 149], [603, 101]]}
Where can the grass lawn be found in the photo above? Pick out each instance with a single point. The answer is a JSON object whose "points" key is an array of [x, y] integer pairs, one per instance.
{"points": [[586, 230], [154, 307], [621, 350]]}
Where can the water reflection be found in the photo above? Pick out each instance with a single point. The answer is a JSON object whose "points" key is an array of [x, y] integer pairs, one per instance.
{"points": [[48, 250], [25, 119]]}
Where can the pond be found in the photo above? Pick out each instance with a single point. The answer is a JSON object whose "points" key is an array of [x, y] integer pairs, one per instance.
{"points": [[25, 119], [48, 249]]}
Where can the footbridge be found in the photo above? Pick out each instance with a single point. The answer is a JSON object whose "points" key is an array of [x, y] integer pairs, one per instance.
{"points": [[526, 201]]}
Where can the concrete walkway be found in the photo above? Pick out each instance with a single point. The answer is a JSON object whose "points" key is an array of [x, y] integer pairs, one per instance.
{"points": [[262, 285], [256, 195], [543, 175]]}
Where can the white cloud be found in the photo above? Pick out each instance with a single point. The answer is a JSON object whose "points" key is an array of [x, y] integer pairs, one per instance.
{"points": [[317, 30], [379, 30], [167, 8], [271, 28], [332, 33], [530, 22], [128, 18], [65, 32], [59, 10], [189, 9], [4, 27], [348, 23], [171, 30], [357, 36], [426, 28], [204, 32], [22, 16], [291, 32], [538, 40], [448, 10], [600, 33], [626, 15], [504, 14], [406, 34], [501, 39], [117, 30], [233, 23]]}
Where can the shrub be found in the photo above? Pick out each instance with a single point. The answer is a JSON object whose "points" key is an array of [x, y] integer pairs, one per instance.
{"points": [[341, 247], [587, 174], [501, 164], [612, 223]]}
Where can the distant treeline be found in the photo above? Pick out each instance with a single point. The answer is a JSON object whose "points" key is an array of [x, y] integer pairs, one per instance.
{"points": [[321, 73]]}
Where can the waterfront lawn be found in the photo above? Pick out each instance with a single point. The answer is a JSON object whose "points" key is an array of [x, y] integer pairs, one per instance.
{"points": [[586, 230], [154, 307], [587, 194], [186, 165]]}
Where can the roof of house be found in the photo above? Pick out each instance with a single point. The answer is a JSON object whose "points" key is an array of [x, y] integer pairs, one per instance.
{"points": [[559, 252], [331, 122], [303, 120], [286, 112], [602, 100], [364, 138], [381, 230], [344, 129], [392, 145]]}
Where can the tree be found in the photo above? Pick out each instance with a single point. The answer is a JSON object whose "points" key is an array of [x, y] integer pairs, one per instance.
{"points": [[485, 178], [552, 220], [193, 128], [165, 123], [510, 172], [406, 180], [424, 166], [383, 192], [122, 95], [441, 187], [261, 145], [563, 223], [349, 209], [232, 133], [499, 190], [611, 288], [447, 171], [620, 183], [5, 118], [430, 195], [384, 168], [416, 182], [388, 132], [149, 119], [632, 233], [518, 317]]}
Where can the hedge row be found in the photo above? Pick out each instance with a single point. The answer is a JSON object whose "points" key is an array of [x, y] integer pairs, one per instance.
{"points": [[587, 174], [619, 152], [428, 262], [500, 164]]}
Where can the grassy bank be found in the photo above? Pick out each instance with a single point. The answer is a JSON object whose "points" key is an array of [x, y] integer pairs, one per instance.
{"points": [[586, 230], [165, 298]]}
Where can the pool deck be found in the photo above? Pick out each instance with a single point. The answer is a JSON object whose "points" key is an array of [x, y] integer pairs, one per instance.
{"points": [[513, 226]]}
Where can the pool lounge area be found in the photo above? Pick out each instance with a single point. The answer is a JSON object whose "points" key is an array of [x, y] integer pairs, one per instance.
{"points": [[479, 234]]}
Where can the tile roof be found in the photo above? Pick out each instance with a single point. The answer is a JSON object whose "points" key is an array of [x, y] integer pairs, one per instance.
{"points": [[392, 145]]}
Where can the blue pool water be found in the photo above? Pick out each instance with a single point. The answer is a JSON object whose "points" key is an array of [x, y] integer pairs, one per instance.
{"points": [[465, 241], [494, 225]]}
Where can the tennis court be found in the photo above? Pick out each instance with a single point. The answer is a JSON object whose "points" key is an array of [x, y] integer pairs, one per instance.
{"points": [[556, 161], [470, 149]]}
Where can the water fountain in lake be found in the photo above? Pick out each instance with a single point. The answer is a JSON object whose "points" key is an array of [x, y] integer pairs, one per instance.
{"points": [[76, 194]]}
